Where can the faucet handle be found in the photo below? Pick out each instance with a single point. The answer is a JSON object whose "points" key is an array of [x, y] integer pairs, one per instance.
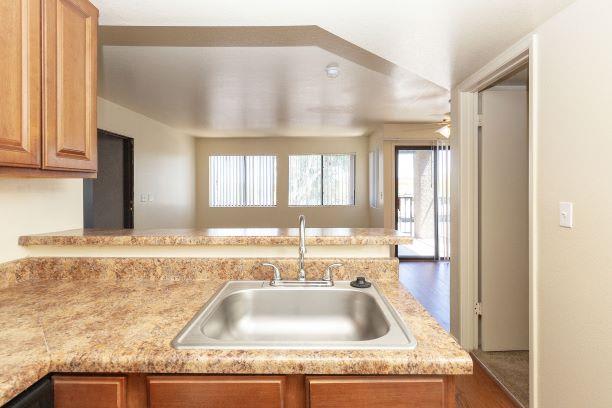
{"points": [[277, 274], [327, 276]]}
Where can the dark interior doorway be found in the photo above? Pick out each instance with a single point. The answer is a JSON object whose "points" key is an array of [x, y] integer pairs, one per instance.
{"points": [[108, 200]]}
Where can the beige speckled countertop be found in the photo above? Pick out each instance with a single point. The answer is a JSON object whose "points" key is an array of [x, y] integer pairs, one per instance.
{"points": [[126, 326], [220, 236]]}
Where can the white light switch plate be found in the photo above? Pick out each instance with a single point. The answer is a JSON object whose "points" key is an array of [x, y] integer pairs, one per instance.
{"points": [[143, 198], [566, 214]]}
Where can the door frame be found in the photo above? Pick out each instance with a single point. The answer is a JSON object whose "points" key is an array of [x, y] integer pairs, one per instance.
{"points": [[395, 200], [128, 178], [464, 181]]}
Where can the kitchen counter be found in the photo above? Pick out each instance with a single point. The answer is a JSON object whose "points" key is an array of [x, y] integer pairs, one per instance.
{"points": [[84, 325], [219, 236]]}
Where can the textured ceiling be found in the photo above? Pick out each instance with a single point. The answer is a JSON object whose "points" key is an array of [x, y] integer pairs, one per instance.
{"points": [[443, 41], [397, 58], [259, 82]]}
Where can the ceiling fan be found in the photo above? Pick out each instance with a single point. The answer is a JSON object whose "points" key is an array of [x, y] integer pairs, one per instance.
{"points": [[445, 126]]}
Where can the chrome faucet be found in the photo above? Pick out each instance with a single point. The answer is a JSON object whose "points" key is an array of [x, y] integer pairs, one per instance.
{"points": [[277, 279], [302, 249]]}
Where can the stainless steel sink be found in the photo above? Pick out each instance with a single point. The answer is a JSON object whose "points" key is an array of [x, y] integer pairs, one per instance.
{"points": [[252, 314]]}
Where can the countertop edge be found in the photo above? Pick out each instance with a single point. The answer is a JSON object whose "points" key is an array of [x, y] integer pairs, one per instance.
{"points": [[217, 237]]}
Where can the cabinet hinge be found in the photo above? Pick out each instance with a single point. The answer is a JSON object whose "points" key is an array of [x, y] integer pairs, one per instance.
{"points": [[478, 309], [478, 120]]}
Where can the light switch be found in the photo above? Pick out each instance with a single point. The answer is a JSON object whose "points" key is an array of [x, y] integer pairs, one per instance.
{"points": [[143, 198], [150, 197], [566, 214]]}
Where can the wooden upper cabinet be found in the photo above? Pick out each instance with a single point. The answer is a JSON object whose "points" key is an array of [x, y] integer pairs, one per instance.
{"points": [[69, 29], [20, 73]]}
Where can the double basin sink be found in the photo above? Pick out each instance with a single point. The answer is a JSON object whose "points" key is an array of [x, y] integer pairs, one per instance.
{"points": [[255, 315]]}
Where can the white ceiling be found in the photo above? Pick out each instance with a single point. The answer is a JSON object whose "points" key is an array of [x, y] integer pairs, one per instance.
{"points": [[257, 91], [398, 58], [443, 41]]}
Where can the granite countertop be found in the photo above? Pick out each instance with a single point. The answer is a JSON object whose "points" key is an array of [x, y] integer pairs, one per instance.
{"points": [[126, 326], [219, 236]]}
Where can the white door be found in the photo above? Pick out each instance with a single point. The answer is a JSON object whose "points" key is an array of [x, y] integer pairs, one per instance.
{"points": [[504, 220]]}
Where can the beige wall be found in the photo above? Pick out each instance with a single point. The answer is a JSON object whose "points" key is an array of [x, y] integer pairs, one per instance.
{"points": [[574, 164], [33, 206], [283, 215], [573, 274], [164, 166]]}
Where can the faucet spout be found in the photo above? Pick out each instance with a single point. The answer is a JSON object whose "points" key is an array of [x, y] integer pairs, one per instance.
{"points": [[302, 249]]}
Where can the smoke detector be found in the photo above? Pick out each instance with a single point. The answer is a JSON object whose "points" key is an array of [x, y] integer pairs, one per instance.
{"points": [[332, 70]]}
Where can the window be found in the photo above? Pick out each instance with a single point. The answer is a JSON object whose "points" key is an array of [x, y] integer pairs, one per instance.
{"points": [[242, 181], [327, 179], [374, 180]]}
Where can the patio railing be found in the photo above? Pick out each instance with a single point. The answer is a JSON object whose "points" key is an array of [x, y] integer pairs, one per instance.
{"points": [[405, 216]]}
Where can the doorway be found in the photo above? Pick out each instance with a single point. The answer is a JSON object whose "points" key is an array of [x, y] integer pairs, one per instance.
{"points": [[422, 201], [503, 219], [108, 200]]}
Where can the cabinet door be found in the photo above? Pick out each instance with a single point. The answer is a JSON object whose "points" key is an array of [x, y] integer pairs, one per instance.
{"points": [[69, 86], [216, 391], [380, 392], [90, 392], [20, 74]]}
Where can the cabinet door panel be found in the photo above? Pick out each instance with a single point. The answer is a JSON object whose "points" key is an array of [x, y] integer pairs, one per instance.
{"points": [[380, 392], [90, 392], [20, 73], [216, 391], [69, 89]]}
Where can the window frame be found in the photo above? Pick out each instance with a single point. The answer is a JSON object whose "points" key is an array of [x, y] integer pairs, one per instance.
{"points": [[353, 173], [244, 156]]}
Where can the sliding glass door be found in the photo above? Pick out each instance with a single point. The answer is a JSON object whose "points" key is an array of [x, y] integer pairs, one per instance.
{"points": [[422, 204]]}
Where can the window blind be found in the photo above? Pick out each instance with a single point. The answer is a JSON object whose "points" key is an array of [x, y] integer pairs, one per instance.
{"points": [[242, 181]]}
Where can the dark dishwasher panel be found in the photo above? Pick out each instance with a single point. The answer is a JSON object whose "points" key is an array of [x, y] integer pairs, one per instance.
{"points": [[39, 395]]}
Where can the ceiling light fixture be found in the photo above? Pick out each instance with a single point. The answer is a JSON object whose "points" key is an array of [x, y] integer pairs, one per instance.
{"points": [[332, 70]]}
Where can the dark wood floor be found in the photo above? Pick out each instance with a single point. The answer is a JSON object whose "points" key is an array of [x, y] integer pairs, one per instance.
{"points": [[429, 283], [480, 390]]}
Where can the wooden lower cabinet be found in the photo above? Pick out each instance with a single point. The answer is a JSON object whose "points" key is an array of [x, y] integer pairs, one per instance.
{"points": [[89, 391], [213, 391], [253, 391], [380, 392]]}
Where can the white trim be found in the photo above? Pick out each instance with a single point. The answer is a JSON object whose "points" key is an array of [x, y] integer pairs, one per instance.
{"points": [[533, 221], [467, 193], [502, 65], [508, 88]]}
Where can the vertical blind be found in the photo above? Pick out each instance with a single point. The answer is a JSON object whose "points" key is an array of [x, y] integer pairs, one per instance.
{"points": [[443, 163], [242, 181], [327, 179], [373, 169]]}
